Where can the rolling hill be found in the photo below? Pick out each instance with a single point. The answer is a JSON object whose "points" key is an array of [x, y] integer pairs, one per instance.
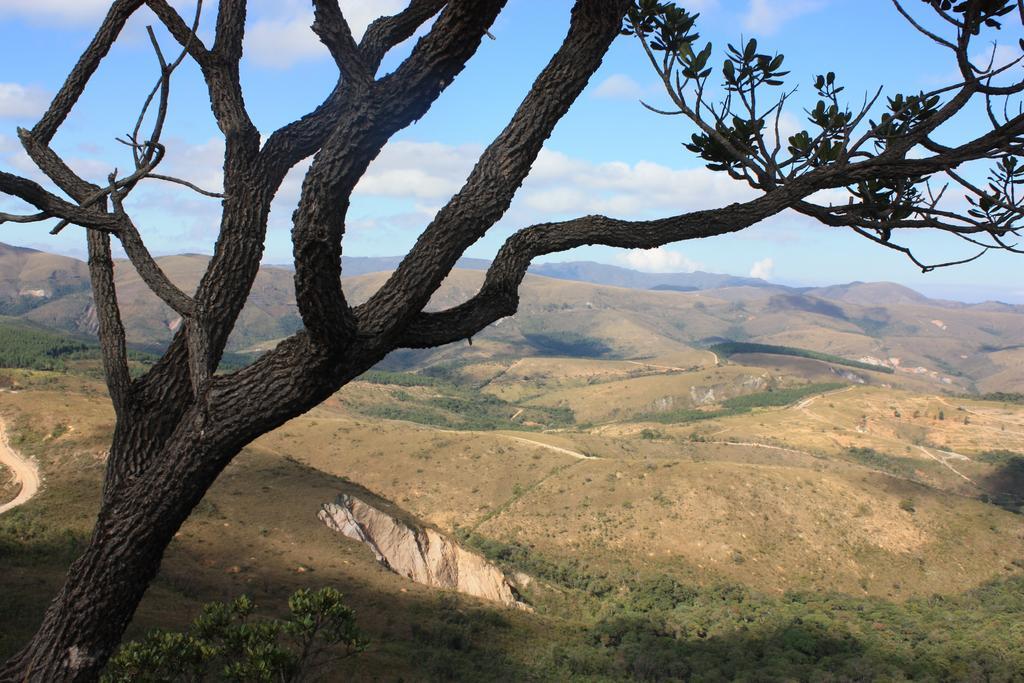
{"points": [[751, 480], [642, 316]]}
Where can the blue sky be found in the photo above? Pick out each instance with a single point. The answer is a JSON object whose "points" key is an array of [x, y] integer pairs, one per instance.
{"points": [[609, 155]]}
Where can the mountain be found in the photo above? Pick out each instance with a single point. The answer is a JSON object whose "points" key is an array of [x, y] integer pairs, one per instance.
{"points": [[961, 347], [30, 278], [578, 271], [361, 265], [604, 274], [869, 294]]}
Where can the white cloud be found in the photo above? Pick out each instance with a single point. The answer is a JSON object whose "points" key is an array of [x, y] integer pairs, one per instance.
{"points": [[765, 17], [763, 269], [283, 43], [618, 87], [998, 55], [789, 125], [564, 185], [414, 179], [63, 11], [424, 170], [659, 260], [286, 39], [558, 185], [19, 101], [201, 164]]}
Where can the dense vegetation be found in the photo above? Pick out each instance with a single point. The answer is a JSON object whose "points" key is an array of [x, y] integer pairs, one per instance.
{"points": [[1002, 397], [225, 642], [455, 406], [23, 346], [400, 379], [869, 457], [513, 556], [731, 348], [743, 404], [656, 628]]}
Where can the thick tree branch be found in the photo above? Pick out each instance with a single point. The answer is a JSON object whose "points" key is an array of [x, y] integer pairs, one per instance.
{"points": [[108, 317], [500, 171], [330, 26], [303, 137], [364, 126], [386, 32], [52, 206], [87, 64], [498, 297]]}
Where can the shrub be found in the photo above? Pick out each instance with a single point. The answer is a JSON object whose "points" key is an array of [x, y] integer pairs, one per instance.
{"points": [[224, 642]]}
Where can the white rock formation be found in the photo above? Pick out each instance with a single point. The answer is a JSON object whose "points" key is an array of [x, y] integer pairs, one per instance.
{"points": [[423, 555]]}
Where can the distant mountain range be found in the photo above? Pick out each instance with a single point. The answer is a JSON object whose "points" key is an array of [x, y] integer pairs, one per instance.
{"points": [[625, 313], [577, 271], [865, 293]]}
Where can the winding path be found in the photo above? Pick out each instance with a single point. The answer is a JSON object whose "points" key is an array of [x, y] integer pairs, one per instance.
{"points": [[804, 404], [24, 470], [671, 368], [550, 447], [944, 462]]}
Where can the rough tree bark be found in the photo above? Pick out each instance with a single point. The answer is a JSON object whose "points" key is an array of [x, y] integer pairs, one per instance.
{"points": [[180, 425]]}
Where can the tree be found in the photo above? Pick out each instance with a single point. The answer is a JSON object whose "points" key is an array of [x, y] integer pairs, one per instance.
{"points": [[180, 424]]}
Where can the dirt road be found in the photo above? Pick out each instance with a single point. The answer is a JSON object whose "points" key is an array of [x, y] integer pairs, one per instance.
{"points": [[24, 470], [804, 404], [551, 447]]}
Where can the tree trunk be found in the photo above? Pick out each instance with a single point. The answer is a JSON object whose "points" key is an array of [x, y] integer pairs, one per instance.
{"points": [[84, 624], [142, 511]]}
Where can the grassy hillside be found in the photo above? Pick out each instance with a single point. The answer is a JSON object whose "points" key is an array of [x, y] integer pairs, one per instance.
{"points": [[667, 556], [870, 496], [30, 278], [792, 514]]}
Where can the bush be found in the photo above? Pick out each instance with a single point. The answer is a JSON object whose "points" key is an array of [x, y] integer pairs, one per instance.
{"points": [[225, 643]]}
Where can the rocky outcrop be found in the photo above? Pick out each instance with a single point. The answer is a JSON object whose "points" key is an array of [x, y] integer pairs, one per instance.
{"points": [[421, 554]]}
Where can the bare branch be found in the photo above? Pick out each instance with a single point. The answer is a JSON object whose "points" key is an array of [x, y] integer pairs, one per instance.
{"points": [[163, 85], [87, 64], [180, 31], [53, 206], [186, 183], [921, 29], [143, 261], [108, 316]]}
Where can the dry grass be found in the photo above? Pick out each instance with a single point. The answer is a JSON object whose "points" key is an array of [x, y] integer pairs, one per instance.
{"points": [[796, 513]]}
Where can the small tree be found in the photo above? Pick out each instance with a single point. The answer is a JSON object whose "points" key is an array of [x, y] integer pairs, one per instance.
{"points": [[179, 425]]}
